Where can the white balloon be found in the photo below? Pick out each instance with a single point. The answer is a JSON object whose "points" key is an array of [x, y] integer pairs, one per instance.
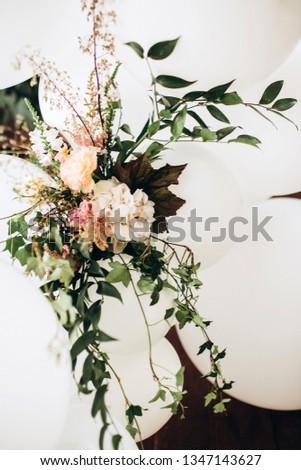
{"points": [[37, 24], [35, 367], [253, 297], [140, 387], [136, 105], [125, 321], [81, 431], [275, 169], [244, 42], [208, 187]]}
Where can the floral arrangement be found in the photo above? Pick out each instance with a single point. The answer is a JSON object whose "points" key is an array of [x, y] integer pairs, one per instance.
{"points": [[100, 217]]}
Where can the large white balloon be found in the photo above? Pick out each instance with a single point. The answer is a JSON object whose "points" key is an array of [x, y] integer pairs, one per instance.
{"points": [[140, 387], [136, 105], [38, 24], [253, 297], [209, 189], [126, 323], [219, 41], [81, 431], [35, 367], [276, 168]]}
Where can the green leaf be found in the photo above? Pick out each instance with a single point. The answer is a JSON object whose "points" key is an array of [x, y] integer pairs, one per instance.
{"points": [[136, 47], [153, 150], [222, 133], [197, 118], [153, 128], [155, 296], [119, 273], [94, 313], [82, 296], [58, 239], [165, 114], [13, 245], [116, 439], [18, 225], [23, 254], [126, 128], [220, 407], [102, 434], [247, 139], [217, 92], [132, 430], [193, 95], [271, 92], [160, 395], [197, 319], [179, 123], [82, 343], [230, 99], [211, 396], [105, 288], [284, 104], [217, 114], [206, 346], [95, 270], [162, 50], [99, 402], [145, 285], [180, 377], [169, 81], [208, 135], [169, 313], [87, 369], [102, 337], [133, 411]]}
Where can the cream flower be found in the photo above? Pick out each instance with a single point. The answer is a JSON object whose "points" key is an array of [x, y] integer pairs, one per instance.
{"points": [[77, 168], [125, 216]]}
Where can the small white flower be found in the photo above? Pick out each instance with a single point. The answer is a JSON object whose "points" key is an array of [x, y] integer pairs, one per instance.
{"points": [[52, 136], [44, 142]]}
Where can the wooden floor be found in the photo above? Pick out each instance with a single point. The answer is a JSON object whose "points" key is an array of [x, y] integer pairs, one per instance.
{"points": [[245, 427]]}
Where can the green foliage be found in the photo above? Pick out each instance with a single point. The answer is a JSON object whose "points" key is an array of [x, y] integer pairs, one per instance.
{"points": [[271, 92], [119, 273], [162, 50], [169, 81], [137, 48]]}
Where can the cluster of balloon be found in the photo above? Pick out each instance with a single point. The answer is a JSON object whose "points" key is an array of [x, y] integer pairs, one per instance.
{"points": [[259, 299], [244, 45], [35, 363], [253, 297]]}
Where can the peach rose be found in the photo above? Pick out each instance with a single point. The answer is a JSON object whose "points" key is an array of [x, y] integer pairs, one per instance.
{"points": [[77, 169]]}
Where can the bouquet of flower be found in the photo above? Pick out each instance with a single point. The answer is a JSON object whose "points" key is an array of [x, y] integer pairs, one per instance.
{"points": [[98, 222]]}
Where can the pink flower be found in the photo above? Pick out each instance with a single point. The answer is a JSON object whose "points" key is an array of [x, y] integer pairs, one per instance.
{"points": [[81, 215], [77, 169]]}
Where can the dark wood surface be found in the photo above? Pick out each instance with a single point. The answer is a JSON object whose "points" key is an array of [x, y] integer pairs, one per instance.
{"points": [[245, 427]]}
